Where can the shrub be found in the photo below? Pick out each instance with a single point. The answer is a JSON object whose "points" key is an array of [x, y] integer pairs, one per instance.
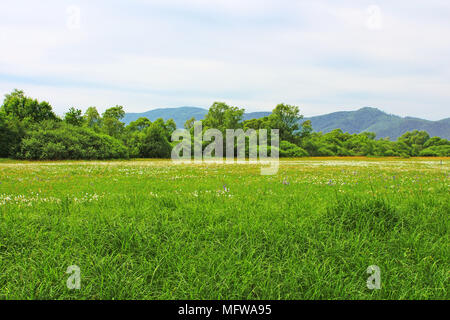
{"points": [[155, 143], [65, 141], [436, 151], [4, 136], [389, 153], [324, 152], [288, 149]]}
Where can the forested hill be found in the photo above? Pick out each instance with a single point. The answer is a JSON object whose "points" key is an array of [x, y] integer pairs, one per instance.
{"points": [[383, 124], [365, 119], [179, 115]]}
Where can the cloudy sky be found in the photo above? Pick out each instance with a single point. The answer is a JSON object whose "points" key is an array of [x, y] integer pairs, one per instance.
{"points": [[323, 56]]}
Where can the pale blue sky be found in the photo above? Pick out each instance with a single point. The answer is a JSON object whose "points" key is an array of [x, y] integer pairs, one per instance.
{"points": [[324, 56]]}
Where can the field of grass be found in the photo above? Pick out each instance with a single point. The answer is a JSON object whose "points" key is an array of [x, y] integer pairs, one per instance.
{"points": [[158, 230]]}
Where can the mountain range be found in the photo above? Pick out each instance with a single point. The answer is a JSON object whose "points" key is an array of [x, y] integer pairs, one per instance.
{"points": [[365, 119]]}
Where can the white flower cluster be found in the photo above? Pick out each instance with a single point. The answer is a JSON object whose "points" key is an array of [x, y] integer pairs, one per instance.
{"points": [[26, 200], [87, 198]]}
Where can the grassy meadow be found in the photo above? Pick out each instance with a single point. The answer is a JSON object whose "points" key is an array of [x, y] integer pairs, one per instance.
{"points": [[153, 229]]}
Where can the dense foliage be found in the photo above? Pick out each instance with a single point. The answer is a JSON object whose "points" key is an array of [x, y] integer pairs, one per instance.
{"points": [[63, 141], [29, 129]]}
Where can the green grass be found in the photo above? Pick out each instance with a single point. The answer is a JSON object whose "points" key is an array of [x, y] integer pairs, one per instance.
{"points": [[156, 230]]}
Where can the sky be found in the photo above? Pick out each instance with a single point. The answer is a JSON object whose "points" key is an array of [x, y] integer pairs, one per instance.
{"points": [[323, 56]]}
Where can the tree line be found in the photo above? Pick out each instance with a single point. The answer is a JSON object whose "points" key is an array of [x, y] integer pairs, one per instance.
{"points": [[30, 130]]}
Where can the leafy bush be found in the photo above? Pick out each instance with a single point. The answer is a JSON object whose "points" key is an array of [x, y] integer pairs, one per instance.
{"points": [[389, 153], [288, 149], [4, 136], [324, 152], [11, 132], [155, 143], [436, 151], [65, 141]]}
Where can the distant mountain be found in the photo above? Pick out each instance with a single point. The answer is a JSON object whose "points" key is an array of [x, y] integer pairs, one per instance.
{"points": [[179, 115], [383, 124], [365, 119], [256, 115]]}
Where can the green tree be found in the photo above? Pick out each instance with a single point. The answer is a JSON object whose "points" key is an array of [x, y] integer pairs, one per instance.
{"points": [[256, 124], [5, 136], [436, 141], [189, 123], [221, 116], [92, 118], [306, 129], [286, 118], [134, 136], [155, 143], [111, 123], [170, 126], [415, 140], [139, 124], [21, 107], [116, 112], [74, 117]]}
